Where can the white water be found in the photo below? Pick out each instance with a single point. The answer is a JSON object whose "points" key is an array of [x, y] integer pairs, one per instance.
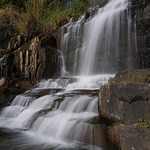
{"points": [[65, 116], [71, 42], [104, 44], [66, 109], [1, 65]]}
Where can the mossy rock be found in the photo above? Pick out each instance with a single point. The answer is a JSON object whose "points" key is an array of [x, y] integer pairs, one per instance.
{"points": [[137, 75]]}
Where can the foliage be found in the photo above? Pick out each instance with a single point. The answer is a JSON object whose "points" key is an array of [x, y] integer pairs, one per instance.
{"points": [[59, 16], [38, 16], [142, 122], [17, 3], [104, 2], [6, 15]]}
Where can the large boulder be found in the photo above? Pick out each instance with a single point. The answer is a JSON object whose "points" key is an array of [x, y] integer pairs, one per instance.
{"points": [[135, 138], [129, 138], [125, 102], [124, 105], [126, 98]]}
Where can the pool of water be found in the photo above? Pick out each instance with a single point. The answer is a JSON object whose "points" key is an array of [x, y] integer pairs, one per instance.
{"points": [[22, 140]]}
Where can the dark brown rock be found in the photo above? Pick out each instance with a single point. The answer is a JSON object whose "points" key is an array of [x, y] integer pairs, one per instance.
{"points": [[32, 60]]}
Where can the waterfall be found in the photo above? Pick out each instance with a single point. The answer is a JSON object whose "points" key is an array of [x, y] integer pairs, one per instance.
{"points": [[1, 65], [63, 109], [71, 41], [63, 72], [107, 41], [63, 112]]}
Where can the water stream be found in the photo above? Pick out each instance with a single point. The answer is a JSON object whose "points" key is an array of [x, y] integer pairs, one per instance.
{"points": [[62, 114], [104, 43]]}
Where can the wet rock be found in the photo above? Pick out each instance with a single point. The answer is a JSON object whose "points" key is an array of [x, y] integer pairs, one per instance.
{"points": [[41, 92], [140, 13], [25, 83], [86, 92], [11, 88]]}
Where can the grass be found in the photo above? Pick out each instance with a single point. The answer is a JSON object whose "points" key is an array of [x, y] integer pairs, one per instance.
{"points": [[59, 16], [33, 17], [38, 17], [104, 2], [6, 15], [142, 122]]}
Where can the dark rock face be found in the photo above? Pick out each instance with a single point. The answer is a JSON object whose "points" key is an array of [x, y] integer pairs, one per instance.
{"points": [[137, 75], [129, 137], [135, 138], [125, 102], [6, 33], [10, 88], [34, 59], [141, 12]]}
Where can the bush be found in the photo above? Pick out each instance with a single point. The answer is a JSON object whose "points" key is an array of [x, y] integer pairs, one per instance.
{"points": [[19, 4], [7, 14], [45, 16], [142, 122]]}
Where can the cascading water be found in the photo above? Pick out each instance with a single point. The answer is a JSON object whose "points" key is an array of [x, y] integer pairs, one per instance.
{"points": [[108, 43], [1, 65], [62, 114]]}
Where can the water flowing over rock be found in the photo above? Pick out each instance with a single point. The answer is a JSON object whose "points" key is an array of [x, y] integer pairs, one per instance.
{"points": [[68, 112], [141, 12], [105, 43]]}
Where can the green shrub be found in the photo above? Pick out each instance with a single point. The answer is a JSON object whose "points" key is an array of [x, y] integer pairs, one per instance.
{"points": [[142, 122], [39, 17], [19, 4]]}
